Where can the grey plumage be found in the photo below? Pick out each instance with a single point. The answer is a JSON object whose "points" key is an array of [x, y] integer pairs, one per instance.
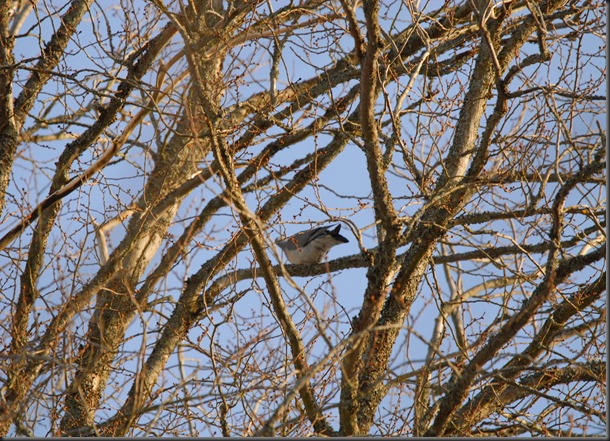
{"points": [[311, 246]]}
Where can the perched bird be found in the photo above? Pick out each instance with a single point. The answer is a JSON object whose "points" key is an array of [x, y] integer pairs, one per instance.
{"points": [[311, 246]]}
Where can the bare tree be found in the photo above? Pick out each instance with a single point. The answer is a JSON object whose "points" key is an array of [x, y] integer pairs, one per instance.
{"points": [[151, 153]]}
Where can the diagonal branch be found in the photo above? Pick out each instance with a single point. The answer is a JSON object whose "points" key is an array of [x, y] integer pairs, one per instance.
{"points": [[488, 399]]}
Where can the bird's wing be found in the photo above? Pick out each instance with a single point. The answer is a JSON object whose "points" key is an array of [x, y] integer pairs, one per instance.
{"points": [[313, 234]]}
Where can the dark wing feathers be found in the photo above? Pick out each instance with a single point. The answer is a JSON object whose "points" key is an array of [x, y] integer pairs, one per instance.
{"points": [[316, 233]]}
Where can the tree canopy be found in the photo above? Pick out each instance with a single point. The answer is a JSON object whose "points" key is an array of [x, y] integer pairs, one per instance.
{"points": [[152, 154]]}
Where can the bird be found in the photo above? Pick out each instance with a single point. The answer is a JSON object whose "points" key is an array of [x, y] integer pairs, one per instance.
{"points": [[308, 247]]}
